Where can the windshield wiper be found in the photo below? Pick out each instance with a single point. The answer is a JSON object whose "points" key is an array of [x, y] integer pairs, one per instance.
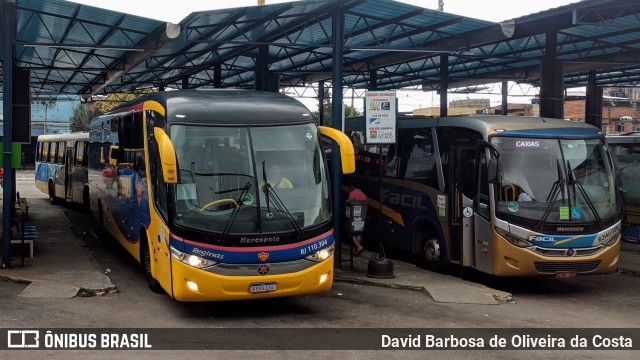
{"points": [[277, 203], [234, 213], [267, 187], [558, 186], [576, 184]]}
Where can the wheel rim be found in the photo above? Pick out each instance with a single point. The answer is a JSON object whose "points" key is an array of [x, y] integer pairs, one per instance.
{"points": [[432, 251]]}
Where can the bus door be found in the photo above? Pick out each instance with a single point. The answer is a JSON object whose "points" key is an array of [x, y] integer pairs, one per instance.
{"points": [[463, 158], [68, 173], [483, 260]]}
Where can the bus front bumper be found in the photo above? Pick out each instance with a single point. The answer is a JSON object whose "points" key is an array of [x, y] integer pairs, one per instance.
{"points": [[192, 284], [517, 261]]}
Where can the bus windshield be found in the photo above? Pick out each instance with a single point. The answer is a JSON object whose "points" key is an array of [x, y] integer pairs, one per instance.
{"points": [[240, 180], [555, 180]]}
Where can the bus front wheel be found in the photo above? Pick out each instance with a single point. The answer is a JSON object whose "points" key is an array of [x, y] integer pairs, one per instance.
{"points": [[431, 255], [145, 261], [52, 194]]}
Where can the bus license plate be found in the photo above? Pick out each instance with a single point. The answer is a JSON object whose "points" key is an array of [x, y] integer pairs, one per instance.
{"points": [[262, 287], [565, 275]]}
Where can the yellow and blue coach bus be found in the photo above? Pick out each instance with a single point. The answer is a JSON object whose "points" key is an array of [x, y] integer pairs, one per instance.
{"points": [[509, 196], [61, 167], [186, 181], [625, 150]]}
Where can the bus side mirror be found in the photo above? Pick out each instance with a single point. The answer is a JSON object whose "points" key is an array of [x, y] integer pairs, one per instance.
{"points": [[167, 156], [624, 196], [493, 171], [347, 153]]}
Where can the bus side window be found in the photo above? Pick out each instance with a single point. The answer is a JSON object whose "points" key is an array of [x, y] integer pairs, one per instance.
{"points": [[61, 152], [416, 158], [78, 151], [158, 186], [44, 156], [53, 152], [39, 152]]}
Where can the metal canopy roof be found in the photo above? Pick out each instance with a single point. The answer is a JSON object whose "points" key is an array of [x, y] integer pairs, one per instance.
{"points": [[78, 49], [299, 40], [69, 47]]}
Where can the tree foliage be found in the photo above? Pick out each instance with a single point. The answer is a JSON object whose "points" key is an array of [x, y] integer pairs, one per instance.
{"points": [[82, 116], [83, 113], [349, 111], [112, 101]]}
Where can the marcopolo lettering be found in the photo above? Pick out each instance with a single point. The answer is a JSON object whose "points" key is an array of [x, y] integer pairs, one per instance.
{"points": [[260, 240], [570, 229]]}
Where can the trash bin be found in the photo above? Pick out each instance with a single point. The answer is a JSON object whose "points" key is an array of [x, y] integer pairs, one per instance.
{"points": [[356, 212]]}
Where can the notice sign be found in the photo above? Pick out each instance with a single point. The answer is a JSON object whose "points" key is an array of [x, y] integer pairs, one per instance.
{"points": [[380, 116]]}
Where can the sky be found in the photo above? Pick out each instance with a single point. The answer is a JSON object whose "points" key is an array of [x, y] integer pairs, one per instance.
{"points": [[176, 10], [492, 10]]}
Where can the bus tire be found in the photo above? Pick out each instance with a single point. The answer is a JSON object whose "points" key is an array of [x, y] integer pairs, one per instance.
{"points": [[86, 204], [145, 262], [104, 234], [52, 194], [430, 252]]}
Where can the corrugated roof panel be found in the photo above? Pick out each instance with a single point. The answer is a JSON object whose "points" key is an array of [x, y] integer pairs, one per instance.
{"points": [[393, 26]]}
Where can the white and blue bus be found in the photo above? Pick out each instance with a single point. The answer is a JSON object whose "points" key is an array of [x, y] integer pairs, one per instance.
{"points": [[61, 167]]}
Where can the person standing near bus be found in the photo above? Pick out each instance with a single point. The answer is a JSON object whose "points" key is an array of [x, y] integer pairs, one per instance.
{"points": [[357, 194]]}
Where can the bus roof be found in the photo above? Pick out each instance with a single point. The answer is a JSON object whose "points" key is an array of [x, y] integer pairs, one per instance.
{"points": [[623, 139], [493, 124], [226, 106], [64, 137]]}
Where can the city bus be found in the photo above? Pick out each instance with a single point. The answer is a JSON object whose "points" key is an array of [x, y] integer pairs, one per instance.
{"points": [[61, 167], [183, 181], [625, 150], [508, 196]]}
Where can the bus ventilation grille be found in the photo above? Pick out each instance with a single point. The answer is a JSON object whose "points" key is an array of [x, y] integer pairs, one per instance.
{"points": [[579, 266]]}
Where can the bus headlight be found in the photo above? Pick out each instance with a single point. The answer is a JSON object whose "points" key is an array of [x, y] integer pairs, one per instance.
{"points": [[322, 254], [610, 241], [192, 260], [512, 239]]}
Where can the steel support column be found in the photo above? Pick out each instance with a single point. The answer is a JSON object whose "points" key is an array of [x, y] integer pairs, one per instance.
{"points": [[551, 81], [444, 84], [593, 103], [8, 25], [321, 102], [336, 123], [262, 66], [505, 98], [373, 80]]}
